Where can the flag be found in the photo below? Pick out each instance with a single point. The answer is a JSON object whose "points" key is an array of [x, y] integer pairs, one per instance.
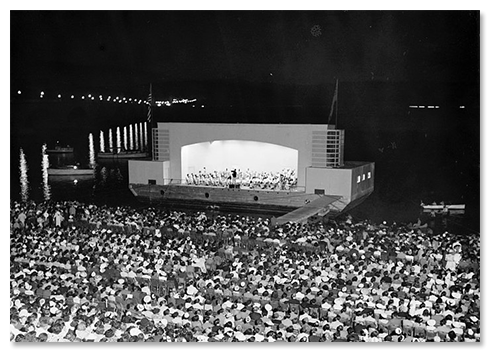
{"points": [[150, 103], [334, 100]]}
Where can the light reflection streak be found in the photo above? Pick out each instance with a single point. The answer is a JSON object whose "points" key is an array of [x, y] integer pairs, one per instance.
{"points": [[45, 165], [110, 140], [130, 137], [141, 137], [118, 139], [145, 135], [24, 183], [102, 146], [136, 137], [91, 150], [125, 138]]}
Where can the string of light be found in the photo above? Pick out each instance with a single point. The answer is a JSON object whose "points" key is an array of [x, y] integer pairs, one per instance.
{"points": [[111, 98]]}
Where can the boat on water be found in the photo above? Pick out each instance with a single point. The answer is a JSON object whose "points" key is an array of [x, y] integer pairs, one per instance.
{"points": [[123, 154], [69, 170], [443, 208], [59, 149]]}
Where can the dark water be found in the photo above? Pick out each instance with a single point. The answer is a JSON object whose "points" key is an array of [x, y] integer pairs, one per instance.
{"points": [[421, 155]]}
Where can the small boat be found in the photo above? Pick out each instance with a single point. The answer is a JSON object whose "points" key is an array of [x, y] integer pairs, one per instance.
{"points": [[123, 154], [441, 208], [69, 170], [59, 149]]}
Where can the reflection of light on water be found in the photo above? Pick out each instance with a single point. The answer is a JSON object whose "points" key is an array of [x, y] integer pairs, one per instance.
{"points": [[125, 138], [24, 183], [145, 135], [141, 136], [103, 175], [75, 182], [118, 139], [119, 176], [110, 140], [91, 150], [131, 137], [102, 146], [45, 165], [136, 137]]}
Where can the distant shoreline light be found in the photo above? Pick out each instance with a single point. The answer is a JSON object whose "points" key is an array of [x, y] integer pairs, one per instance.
{"points": [[428, 107], [90, 96]]}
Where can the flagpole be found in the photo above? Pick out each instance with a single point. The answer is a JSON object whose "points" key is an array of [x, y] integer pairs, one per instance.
{"points": [[150, 123], [334, 102], [337, 102]]}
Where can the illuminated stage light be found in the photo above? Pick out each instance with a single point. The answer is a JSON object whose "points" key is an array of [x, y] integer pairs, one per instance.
{"points": [[59, 95], [75, 182], [73, 97], [92, 98], [202, 106], [19, 92], [89, 95], [83, 97], [42, 93]]}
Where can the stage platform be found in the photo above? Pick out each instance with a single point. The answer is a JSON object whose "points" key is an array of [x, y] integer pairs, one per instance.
{"points": [[324, 183]]}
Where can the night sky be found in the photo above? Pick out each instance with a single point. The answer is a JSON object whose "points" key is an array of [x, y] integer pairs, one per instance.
{"points": [[115, 48]]}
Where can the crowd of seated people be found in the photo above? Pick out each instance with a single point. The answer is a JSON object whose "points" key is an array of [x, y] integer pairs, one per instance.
{"points": [[176, 276], [285, 179]]}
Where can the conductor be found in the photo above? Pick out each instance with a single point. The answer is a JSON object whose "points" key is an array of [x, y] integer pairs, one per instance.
{"points": [[233, 177]]}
